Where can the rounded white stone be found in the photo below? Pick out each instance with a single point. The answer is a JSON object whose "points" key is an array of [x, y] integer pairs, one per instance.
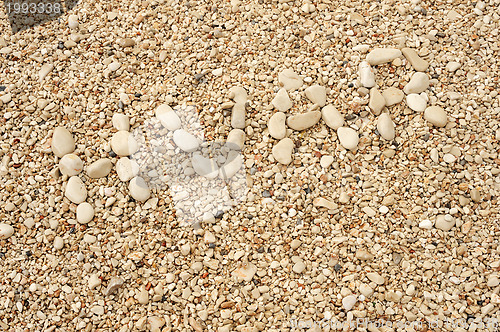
{"points": [[139, 189], [277, 125], [444, 223], [236, 139], [304, 120], [62, 142], [382, 55], [186, 141], [205, 166], [282, 151], [75, 190], [120, 122], [348, 138], [6, 231], [123, 143], [332, 117], [99, 168], [436, 115], [290, 79], [126, 169], [168, 118], [84, 213], [58, 243], [425, 224], [282, 101], [419, 82], [348, 302], [316, 94], [385, 126], [416, 102], [366, 75], [73, 21], [70, 165]]}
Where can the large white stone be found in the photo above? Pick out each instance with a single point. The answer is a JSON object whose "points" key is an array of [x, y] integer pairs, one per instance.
{"points": [[316, 94], [348, 138], [236, 139], [99, 168], [304, 120], [126, 169], [84, 213], [70, 165], [382, 55], [416, 102], [233, 164], [290, 79], [436, 115], [62, 142], [419, 82], [206, 167], [139, 189], [75, 190], [186, 141], [277, 126], [385, 126], [282, 151], [392, 96], [168, 118], [123, 143], [6, 231], [366, 75], [332, 117], [282, 101], [120, 122]]}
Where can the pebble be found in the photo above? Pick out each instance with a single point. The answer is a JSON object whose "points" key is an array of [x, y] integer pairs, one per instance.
{"points": [[475, 195], [44, 71], [156, 323], [186, 141], [393, 96], [348, 302], [245, 272], [233, 164], [290, 80], [94, 281], [452, 66], [143, 296], [217, 72], [6, 231], [326, 161], [366, 75], [114, 66], [238, 116], [449, 158], [426, 224], [84, 213], [385, 126], [299, 267], [376, 102], [168, 118], [316, 94], [416, 102], [277, 126], [419, 82], [323, 202], [120, 122], [70, 165], [332, 117], [415, 60], [282, 151], [303, 121], [62, 142], [75, 190], [205, 167], [114, 284], [123, 143], [282, 101], [126, 42], [444, 222], [139, 190], [348, 138], [126, 169], [99, 168], [73, 21], [382, 55], [436, 116], [58, 243], [236, 139], [376, 278], [344, 197]]}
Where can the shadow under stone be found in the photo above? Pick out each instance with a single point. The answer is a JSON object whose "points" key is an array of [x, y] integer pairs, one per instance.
{"points": [[26, 14]]}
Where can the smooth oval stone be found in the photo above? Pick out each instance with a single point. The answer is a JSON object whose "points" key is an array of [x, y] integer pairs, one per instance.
{"points": [[6, 231], [84, 213], [348, 138], [419, 82], [167, 116], [123, 143], [238, 94], [62, 142], [290, 79], [444, 223], [452, 66], [366, 75], [236, 139], [75, 190], [186, 141], [139, 189], [416, 102], [376, 102], [99, 168], [233, 164], [436, 115], [382, 55], [385, 126], [348, 302], [45, 70], [282, 101], [393, 96], [205, 166], [415, 60], [304, 120], [126, 169], [282, 151], [277, 126], [120, 122], [316, 94], [238, 116], [73, 21], [70, 165], [332, 117]]}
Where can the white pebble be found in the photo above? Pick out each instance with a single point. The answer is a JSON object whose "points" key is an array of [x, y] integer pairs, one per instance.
{"points": [[84, 213], [6, 231], [186, 141], [70, 165], [62, 142], [348, 138], [139, 189], [75, 190], [123, 143]]}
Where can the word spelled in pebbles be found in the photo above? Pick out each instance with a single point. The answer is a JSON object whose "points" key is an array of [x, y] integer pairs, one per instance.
{"points": [[385, 126], [332, 117], [84, 213], [282, 151], [186, 141], [366, 75], [277, 126], [376, 102], [416, 102], [290, 80], [126, 169], [6, 231], [123, 143], [393, 96], [99, 168], [316, 94], [282, 101], [382, 55], [348, 138], [120, 122], [167, 117], [415, 60], [70, 165], [436, 115], [139, 189], [304, 121], [75, 190], [419, 82], [62, 142]]}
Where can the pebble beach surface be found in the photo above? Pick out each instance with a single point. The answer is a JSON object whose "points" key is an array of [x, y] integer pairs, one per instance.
{"points": [[370, 137]]}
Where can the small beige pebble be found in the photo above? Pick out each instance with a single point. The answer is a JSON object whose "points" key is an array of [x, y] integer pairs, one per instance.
{"points": [[376, 102], [6, 231], [326, 161], [304, 121], [75, 190], [58, 243], [393, 96], [299, 267], [62, 142], [70, 165], [316, 94], [277, 125], [282, 151], [348, 137], [84, 213], [332, 117], [99, 168], [436, 116]]}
